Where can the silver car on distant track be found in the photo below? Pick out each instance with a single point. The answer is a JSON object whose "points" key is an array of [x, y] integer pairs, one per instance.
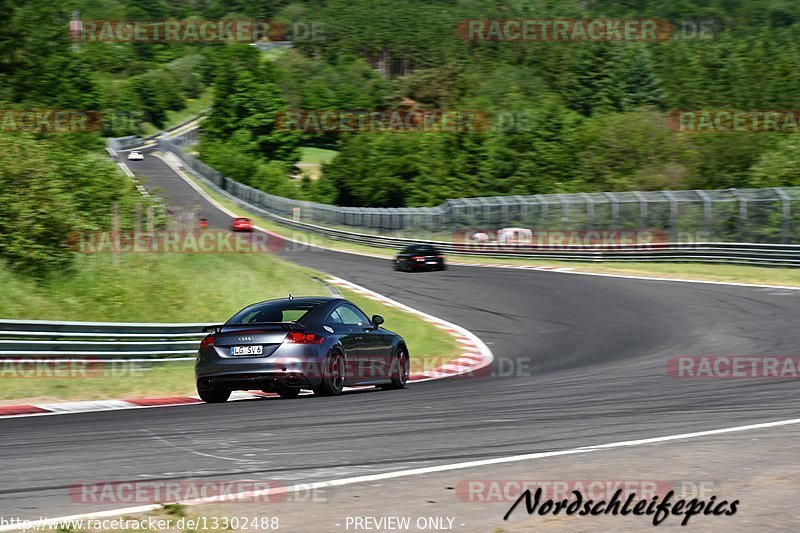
{"points": [[289, 344]]}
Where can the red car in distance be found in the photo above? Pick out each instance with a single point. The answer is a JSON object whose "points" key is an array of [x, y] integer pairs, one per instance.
{"points": [[241, 224]]}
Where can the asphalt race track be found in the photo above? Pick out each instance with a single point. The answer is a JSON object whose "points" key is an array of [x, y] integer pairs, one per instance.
{"points": [[580, 360]]}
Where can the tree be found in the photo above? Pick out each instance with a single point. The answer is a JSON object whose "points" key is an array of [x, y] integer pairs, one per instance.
{"points": [[778, 167], [246, 103]]}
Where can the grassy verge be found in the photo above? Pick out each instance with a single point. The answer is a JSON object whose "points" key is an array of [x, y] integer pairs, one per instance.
{"points": [[167, 287], [426, 343], [312, 158], [301, 236], [193, 108], [697, 271], [273, 54], [170, 288], [107, 382]]}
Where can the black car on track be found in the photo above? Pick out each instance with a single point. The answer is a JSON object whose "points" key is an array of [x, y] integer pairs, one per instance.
{"points": [[285, 345], [419, 257]]}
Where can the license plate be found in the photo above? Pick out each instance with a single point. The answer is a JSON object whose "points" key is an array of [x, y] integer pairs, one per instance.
{"points": [[431, 262], [246, 350]]}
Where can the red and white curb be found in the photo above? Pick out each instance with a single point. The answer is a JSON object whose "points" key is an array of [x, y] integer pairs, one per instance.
{"points": [[473, 356], [511, 265]]}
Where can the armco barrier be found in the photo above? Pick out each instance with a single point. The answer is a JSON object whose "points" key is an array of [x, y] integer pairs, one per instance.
{"points": [[741, 253], [134, 141], [785, 255], [44, 339], [726, 215]]}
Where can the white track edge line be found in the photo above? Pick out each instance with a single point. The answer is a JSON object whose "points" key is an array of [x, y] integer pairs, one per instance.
{"points": [[39, 524]]}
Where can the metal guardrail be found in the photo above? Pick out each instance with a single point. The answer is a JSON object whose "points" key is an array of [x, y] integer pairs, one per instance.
{"points": [[133, 141], [724, 215], [682, 209], [779, 255], [107, 341]]}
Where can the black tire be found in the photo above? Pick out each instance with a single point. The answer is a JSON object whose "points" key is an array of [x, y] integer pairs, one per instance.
{"points": [[401, 366], [287, 392], [334, 376], [216, 394]]}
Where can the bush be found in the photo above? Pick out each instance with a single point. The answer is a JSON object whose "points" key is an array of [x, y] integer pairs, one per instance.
{"points": [[49, 188]]}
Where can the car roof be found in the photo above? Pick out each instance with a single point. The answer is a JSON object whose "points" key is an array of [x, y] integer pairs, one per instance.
{"points": [[304, 300]]}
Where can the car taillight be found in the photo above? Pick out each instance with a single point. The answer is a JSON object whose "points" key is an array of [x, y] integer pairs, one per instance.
{"points": [[418, 258], [301, 337], [207, 341]]}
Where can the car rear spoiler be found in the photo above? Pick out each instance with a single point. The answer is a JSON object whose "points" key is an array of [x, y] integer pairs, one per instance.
{"points": [[286, 325]]}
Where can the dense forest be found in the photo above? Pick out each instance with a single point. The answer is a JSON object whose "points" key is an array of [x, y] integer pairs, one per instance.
{"points": [[565, 116]]}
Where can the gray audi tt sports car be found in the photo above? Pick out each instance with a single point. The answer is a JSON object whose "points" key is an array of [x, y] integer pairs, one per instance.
{"points": [[285, 345]]}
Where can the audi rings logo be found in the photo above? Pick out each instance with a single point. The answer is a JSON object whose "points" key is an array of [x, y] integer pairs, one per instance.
{"points": [[245, 339]]}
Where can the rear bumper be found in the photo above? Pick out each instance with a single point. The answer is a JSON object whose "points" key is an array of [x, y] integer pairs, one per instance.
{"points": [[254, 380], [425, 265], [301, 369]]}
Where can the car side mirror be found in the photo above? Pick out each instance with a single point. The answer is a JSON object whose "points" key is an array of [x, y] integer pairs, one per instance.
{"points": [[377, 320]]}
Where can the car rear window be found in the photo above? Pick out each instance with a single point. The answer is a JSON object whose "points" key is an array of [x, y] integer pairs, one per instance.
{"points": [[279, 311], [421, 249]]}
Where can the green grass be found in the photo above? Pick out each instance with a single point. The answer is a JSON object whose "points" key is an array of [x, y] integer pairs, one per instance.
{"points": [[167, 287], [118, 381], [317, 156], [426, 343], [302, 236], [273, 54], [312, 158], [193, 108], [697, 271], [172, 288]]}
